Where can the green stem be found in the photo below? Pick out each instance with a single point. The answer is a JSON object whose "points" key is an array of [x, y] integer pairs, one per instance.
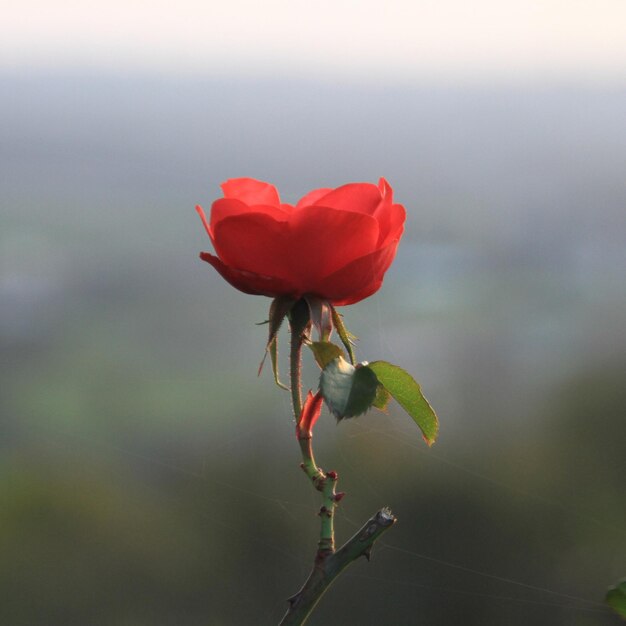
{"points": [[327, 567], [328, 564], [326, 483]]}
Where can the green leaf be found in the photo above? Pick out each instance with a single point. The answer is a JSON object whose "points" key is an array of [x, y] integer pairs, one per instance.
{"points": [[348, 391], [324, 352], [382, 398], [407, 393], [344, 334], [616, 598]]}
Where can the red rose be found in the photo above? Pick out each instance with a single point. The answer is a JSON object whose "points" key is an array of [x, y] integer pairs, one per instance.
{"points": [[335, 244]]}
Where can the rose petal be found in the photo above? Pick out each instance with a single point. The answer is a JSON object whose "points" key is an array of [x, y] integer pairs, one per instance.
{"points": [[249, 282], [251, 191], [323, 240], [358, 279], [254, 242], [200, 212], [385, 190], [312, 197], [391, 221], [228, 207], [313, 243], [390, 216], [359, 197]]}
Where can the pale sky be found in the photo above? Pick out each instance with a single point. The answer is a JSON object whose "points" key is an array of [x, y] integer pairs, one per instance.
{"points": [[462, 38]]}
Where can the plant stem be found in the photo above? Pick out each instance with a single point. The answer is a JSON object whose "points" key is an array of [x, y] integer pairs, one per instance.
{"points": [[326, 483], [328, 564], [327, 567]]}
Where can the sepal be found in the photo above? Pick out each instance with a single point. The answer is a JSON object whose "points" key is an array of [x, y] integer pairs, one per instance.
{"points": [[309, 415], [324, 352], [279, 309], [321, 316], [347, 338]]}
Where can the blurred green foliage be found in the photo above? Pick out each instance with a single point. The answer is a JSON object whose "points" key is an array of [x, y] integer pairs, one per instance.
{"points": [[616, 598]]}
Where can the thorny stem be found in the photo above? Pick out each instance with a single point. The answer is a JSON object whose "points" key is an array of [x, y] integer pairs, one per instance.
{"points": [[327, 567], [324, 482], [328, 564]]}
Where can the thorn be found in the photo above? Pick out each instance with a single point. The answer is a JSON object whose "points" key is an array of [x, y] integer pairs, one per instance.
{"points": [[332, 475], [318, 482], [325, 511], [368, 553], [338, 497]]}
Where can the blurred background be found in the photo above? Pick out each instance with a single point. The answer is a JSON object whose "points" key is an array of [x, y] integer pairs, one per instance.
{"points": [[149, 478]]}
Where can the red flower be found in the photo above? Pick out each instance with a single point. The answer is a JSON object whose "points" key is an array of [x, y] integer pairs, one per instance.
{"points": [[335, 244]]}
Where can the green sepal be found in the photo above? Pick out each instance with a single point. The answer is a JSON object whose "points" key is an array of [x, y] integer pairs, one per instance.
{"points": [[616, 598], [344, 334], [273, 350], [324, 352], [382, 398], [406, 391], [299, 317], [279, 309], [347, 390]]}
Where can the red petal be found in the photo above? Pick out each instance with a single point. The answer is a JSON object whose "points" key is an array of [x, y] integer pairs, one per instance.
{"points": [[312, 197], [309, 415], [254, 242], [312, 244], [249, 282], [200, 212], [323, 240], [359, 197], [228, 207], [390, 216], [391, 221], [251, 191], [359, 279], [385, 190]]}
